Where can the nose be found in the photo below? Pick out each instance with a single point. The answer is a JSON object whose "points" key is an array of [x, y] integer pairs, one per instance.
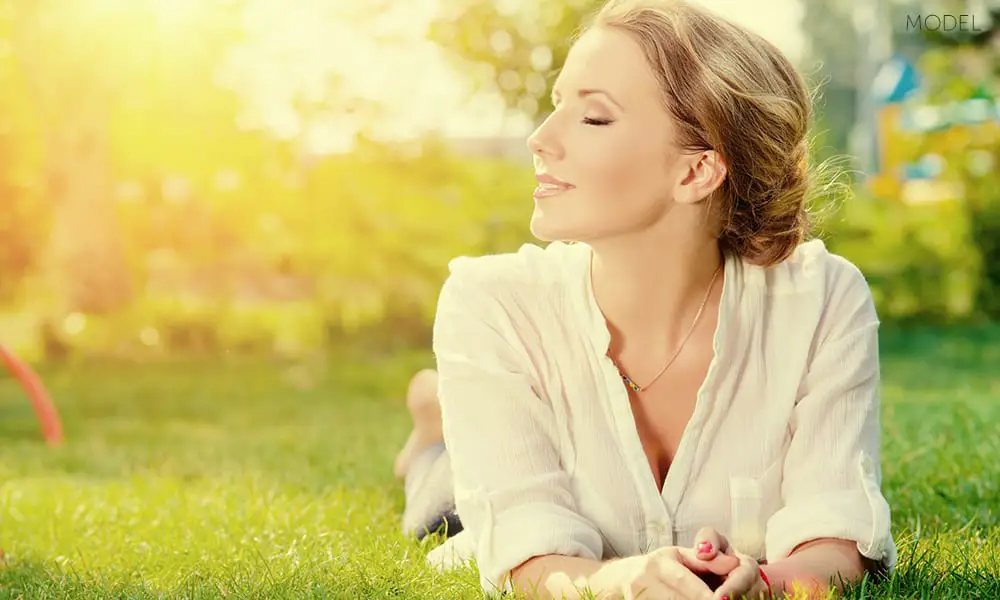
{"points": [[542, 142]]}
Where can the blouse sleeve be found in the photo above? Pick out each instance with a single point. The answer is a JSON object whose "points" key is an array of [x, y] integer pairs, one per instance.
{"points": [[511, 493], [831, 486]]}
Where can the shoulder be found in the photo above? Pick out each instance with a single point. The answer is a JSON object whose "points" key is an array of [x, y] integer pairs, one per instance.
{"points": [[814, 271], [530, 263], [521, 295], [827, 287], [531, 272]]}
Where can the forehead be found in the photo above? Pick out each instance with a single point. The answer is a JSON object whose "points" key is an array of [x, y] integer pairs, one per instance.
{"points": [[610, 60]]}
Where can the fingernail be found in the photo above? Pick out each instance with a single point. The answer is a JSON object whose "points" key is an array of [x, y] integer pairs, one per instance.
{"points": [[724, 598], [705, 548]]}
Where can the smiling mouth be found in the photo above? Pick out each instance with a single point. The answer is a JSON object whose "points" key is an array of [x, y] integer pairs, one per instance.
{"points": [[545, 190]]}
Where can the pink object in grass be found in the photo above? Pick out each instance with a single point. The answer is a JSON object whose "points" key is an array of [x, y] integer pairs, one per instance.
{"points": [[32, 385]]}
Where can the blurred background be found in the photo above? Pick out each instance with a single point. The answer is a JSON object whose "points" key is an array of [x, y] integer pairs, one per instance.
{"points": [[285, 178]]}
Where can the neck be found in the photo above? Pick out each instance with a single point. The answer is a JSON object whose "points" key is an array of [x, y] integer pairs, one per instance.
{"points": [[649, 287]]}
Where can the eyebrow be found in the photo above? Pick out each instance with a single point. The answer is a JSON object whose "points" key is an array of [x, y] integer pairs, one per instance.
{"points": [[583, 93]]}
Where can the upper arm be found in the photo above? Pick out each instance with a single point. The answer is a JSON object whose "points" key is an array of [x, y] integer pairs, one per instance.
{"points": [[831, 484], [511, 491]]}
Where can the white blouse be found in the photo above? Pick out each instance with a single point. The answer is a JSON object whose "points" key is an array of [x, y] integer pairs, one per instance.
{"points": [[782, 447]]}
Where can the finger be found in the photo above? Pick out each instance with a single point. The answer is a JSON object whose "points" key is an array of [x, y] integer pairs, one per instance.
{"points": [[738, 584], [644, 589], [682, 581], [741, 581], [708, 542], [722, 564]]}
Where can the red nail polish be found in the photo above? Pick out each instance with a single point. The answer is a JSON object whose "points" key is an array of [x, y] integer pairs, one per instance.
{"points": [[725, 598], [704, 547]]}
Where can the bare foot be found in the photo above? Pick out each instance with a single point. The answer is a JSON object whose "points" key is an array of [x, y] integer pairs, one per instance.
{"points": [[422, 402]]}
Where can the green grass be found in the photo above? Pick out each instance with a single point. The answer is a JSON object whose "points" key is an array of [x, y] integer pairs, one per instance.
{"points": [[233, 480]]}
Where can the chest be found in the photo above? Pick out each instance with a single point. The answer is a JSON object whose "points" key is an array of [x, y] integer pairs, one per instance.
{"points": [[663, 410], [619, 446]]}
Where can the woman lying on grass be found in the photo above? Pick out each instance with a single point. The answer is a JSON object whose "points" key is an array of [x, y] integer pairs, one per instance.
{"points": [[677, 397]]}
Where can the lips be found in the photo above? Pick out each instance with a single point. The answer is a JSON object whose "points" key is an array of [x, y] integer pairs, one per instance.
{"points": [[545, 191], [546, 179], [550, 186]]}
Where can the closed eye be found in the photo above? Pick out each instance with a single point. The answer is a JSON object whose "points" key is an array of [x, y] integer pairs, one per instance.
{"points": [[596, 122]]}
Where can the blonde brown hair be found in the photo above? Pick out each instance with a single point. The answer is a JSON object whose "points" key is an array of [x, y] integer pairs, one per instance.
{"points": [[730, 90]]}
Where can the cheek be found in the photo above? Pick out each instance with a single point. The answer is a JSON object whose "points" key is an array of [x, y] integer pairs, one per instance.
{"points": [[625, 167]]}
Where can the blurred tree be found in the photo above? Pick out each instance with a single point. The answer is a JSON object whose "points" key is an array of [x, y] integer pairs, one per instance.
{"points": [[513, 46], [831, 64], [295, 70], [959, 66], [118, 89], [22, 222], [74, 73]]}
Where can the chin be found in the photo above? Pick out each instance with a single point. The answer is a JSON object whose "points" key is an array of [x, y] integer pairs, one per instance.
{"points": [[549, 228], [545, 228]]}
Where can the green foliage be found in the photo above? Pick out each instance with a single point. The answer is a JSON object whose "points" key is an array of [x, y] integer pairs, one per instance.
{"points": [[919, 259], [956, 70], [239, 242], [937, 261], [285, 262], [512, 51], [983, 207]]}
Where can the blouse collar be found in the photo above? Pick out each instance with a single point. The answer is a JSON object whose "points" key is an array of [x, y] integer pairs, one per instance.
{"points": [[737, 276]]}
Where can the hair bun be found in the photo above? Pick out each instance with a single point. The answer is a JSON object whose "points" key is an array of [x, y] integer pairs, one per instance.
{"points": [[767, 229]]}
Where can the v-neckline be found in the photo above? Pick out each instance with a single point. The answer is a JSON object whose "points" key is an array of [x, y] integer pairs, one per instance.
{"points": [[663, 501]]}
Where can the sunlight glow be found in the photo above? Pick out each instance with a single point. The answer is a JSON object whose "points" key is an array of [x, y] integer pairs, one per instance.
{"points": [[318, 72], [176, 12]]}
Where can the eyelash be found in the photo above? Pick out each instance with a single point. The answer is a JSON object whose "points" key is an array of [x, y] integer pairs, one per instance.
{"points": [[595, 122]]}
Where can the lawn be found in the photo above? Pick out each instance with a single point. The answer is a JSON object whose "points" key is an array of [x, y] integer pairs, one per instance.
{"points": [[247, 479]]}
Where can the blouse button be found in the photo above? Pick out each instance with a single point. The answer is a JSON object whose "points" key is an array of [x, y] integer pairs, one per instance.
{"points": [[867, 467], [662, 534]]}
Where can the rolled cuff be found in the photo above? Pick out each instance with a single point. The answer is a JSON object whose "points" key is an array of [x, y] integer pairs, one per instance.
{"points": [[862, 516], [521, 532]]}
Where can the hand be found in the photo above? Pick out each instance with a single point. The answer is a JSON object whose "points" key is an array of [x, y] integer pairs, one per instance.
{"points": [[670, 573], [744, 581]]}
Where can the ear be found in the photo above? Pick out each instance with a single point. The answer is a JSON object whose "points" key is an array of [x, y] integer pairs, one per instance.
{"points": [[701, 174]]}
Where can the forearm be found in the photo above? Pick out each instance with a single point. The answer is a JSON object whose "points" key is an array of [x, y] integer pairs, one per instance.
{"points": [[814, 567], [555, 577]]}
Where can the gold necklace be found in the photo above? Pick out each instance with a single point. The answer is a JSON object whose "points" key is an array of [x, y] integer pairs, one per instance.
{"points": [[636, 387]]}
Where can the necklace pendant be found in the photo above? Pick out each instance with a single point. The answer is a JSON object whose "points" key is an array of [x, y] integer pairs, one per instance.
{"points": [[630, 383]]}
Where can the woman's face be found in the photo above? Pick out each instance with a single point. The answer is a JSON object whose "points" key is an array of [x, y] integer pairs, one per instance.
{"points": [[610, 140]]}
